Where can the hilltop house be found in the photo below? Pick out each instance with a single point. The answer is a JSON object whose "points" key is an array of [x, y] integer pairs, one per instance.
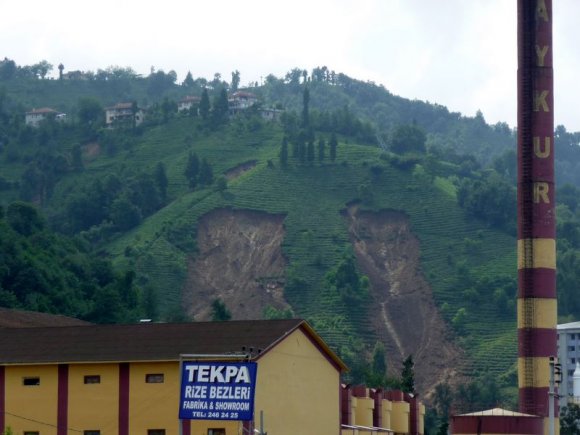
{"points": [[241, 100], [128, 114], [36, 116], [186, 103]]}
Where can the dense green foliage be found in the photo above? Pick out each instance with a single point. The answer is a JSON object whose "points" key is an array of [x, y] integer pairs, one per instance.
{"points": [[44, 271]]}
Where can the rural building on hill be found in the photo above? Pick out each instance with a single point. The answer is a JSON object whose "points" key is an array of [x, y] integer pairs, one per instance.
{"points": [[124, 114], [36, 116]]}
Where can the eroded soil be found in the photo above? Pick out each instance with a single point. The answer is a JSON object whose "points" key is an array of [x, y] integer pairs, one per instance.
{"points": [[240, 260], [403, 311]]}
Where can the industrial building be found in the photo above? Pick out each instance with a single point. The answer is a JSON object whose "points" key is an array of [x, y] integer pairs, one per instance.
{"points": [[569, 357], [125, 379]]}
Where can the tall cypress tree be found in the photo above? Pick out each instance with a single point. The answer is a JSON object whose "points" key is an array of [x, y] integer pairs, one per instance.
{"points": [[220, 108], [305, 108], [161, 179], [333, 145], [192, 170], [284, 153], [204, 105], [205, 173], [310, 152], [321, 150]]}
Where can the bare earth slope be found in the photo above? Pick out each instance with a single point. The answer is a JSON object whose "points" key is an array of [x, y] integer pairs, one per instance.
{"points": [[403, 311], [240, 260]]}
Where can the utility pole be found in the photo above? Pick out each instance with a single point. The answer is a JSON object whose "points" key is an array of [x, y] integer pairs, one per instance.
{"points": [[551, 395]]}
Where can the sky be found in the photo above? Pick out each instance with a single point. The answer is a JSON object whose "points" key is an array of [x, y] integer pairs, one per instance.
{"points": [[458, 53]]}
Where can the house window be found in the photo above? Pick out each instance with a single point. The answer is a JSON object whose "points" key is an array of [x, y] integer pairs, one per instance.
{"points": [[92, 379], [29, 382], [155, 431], [216, 432], [154, 378], [92, 432]]}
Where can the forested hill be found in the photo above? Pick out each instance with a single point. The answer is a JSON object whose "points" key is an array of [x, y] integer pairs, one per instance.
{"points": [[387, 223], [24, 87]]}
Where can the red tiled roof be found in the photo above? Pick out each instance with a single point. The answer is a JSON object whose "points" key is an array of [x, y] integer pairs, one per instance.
{"points": [[29, 319], [243, 94], [189, 98], [148, 341], [120, 106], [45, 110]]}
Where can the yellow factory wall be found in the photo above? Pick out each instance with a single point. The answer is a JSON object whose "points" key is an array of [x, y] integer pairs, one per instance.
{"points": [[153, 405], [400, 417], [363, 414], [298, 389], [387, 411], [94, 406], [38, 402]]}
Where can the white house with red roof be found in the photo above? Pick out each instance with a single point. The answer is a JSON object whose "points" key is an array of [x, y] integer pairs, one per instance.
{"points": [[36, 116], [186, 103], [123, 114]]}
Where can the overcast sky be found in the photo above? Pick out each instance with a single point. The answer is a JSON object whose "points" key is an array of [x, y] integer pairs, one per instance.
{"points": [[459, 53]]}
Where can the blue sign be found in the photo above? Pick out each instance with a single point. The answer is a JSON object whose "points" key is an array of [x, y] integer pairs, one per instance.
{"points": [[217, 391]]}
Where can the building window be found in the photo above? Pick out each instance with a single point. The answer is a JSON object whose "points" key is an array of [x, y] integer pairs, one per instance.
{"points": [[92, 379], [154, 378], [570, 348], [92, 432], [29, 382], [573, 336], [155, 431], [573, 360], [216, 432]]}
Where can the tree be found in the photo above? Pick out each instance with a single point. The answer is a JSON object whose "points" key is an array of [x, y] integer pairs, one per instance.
{"points": [[284, 152], [333, 145], [490, 198], [205, 173], [305, 108], [24, 218], [408, 375], [220, 108], [346, 281], [235, 80], [161, 180], [379, 360], [124, 214], [41, 69], [192, 170], [408, 139], [188, 82], [310, 152], [204, 105], [219, 311], [90, 111], [570, 420], [77, 158], [321, 149]]}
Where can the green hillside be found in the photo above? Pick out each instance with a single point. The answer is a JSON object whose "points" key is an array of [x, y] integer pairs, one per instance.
{"points": [[124, 194]]}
